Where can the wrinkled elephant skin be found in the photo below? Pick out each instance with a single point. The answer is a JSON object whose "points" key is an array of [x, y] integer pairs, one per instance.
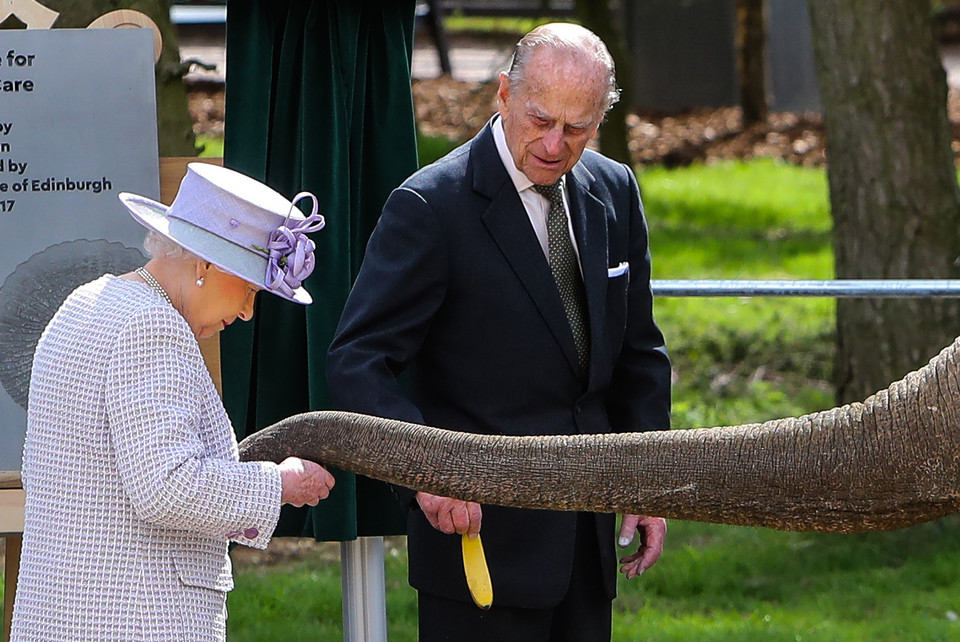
{"points": [[889, 462]]}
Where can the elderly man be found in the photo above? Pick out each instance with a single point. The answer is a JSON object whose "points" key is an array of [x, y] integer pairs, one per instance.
{"points": [[512, 278]]}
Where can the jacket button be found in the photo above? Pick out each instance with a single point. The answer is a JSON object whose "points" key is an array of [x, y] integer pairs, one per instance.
{"points": [[251, 533]]}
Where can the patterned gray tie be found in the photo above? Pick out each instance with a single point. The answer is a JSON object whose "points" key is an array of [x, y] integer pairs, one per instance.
{"points": [[566, 271]]}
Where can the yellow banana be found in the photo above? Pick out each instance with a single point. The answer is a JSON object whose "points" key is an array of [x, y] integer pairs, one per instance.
{"points": [[475, 568]]}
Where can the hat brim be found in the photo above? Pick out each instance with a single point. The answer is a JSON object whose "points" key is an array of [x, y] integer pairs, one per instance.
{"points": [[227, 256]]}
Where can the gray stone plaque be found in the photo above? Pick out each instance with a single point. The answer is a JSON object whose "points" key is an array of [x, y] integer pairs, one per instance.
{"points": [[77, 126]]}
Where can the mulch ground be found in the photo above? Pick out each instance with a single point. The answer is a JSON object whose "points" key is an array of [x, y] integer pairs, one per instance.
{"points": [[457, 110]]}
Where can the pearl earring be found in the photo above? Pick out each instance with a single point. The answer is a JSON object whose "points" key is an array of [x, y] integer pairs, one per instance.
{"points": [[200, 282]]}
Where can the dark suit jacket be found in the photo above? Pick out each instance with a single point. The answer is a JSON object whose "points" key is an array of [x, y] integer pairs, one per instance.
{"points": [[455, 285]]}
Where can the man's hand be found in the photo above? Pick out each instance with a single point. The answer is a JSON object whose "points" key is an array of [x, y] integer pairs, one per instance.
{"points": [[303, 482], [450, 515], [652, 531]]}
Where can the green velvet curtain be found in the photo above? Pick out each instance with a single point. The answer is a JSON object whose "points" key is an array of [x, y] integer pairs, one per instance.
{"points": [[317, 98]]}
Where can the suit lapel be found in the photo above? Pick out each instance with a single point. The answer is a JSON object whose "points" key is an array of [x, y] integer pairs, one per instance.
{"points": [[507, 222]]}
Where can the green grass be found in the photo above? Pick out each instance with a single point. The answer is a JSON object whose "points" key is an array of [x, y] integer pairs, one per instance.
{"points": [[714, 583], [429, 148], [736, 360], [736, 220], [301, 599], [211, 146], [724, 583], [510, 28]]}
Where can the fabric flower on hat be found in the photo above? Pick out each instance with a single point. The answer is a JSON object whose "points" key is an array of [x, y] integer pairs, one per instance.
{"points": [[290, 251]]}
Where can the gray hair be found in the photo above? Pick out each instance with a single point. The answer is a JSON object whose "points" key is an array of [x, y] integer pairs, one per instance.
{"points": [[569, 38], [159, 246]]}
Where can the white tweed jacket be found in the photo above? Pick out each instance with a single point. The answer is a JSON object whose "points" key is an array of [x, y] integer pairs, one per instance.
{"points": [[132, 480]]}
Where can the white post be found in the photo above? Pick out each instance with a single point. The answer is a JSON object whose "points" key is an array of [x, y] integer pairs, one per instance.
{"points": [[364, 590]]}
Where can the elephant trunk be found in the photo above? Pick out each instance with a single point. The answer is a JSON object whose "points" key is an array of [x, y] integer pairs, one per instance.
{"points": [[887, 463]]}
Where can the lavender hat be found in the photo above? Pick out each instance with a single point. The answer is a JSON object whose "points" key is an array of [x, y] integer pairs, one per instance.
{"points": [[238, 224]]}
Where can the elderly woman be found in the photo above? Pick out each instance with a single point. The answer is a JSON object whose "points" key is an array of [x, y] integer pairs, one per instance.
{"points": [[130, 463]]}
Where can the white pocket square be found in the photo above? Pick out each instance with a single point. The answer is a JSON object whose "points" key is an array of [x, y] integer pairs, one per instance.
{"points": [[623, 268]]}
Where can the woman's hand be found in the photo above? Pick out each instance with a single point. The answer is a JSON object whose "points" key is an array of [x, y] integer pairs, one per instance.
{"points": [[303, 482]]}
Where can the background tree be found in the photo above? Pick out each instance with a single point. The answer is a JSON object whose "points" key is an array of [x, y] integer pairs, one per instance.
{"points": [[174, 124], [752, 60], [604, 18], [893, 186]]}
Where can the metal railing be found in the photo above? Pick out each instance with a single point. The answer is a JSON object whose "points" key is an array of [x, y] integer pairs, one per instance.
{"points": [[181, 14], [854, 288]]}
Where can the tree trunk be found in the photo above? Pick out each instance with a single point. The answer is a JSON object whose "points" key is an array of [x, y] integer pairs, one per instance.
{"points": [[752, 60], [174, 124], [893, 186], [605, 20]]}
